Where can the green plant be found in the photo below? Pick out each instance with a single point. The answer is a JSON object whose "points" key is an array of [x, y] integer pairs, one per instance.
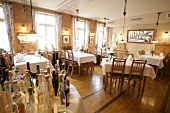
{"points": [[39, 51]]}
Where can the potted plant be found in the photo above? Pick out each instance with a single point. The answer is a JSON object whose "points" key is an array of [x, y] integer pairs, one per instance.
{"points": [[152, 51]]}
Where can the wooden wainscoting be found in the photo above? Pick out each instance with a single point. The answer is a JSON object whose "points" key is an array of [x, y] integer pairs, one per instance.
{"points": [[162, 48]]}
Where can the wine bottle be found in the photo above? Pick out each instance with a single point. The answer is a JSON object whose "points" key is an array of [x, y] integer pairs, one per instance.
{"points": [[11, 106], [16, 94], [38, 72], [32, 106], [3, 78], [28, 68], [11, 79], [67, 89], [48, 97], [55, 82]]}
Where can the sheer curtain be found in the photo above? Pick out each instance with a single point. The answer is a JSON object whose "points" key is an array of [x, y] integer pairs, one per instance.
{"points": [[8, 17], [98, 41], [87, 33], [35, 24], [58, 28], [106, 36], [74, 28]]}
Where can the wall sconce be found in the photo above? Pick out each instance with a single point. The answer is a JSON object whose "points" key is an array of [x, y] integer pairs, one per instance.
{"points": [[92, 34], [23, 27], [66, 31], [166, 34]]}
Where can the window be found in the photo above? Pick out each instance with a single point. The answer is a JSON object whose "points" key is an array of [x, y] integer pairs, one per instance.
{"points": [[100, 36], [47, 31], [4, 41], [80, 33]]}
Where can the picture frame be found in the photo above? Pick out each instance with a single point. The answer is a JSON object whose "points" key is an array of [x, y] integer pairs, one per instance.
{"points": [[66, 39], [91, 40], [140, 36]]}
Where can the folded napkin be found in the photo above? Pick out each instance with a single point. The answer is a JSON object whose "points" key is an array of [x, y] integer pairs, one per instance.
{"points": [[129, 58], [19, 58], [161, 55]]}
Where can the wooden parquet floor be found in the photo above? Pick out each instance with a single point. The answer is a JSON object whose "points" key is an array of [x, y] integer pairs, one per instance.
{"points": [[97, 100]]}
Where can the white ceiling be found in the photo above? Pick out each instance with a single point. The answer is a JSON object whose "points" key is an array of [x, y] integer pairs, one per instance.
{"points": [[111, 9]]}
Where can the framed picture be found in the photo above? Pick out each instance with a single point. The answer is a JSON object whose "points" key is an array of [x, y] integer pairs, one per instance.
{"points": [[91, 39], [66, 39], [140, 36]]}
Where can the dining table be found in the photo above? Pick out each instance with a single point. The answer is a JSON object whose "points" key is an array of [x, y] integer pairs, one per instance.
{"points": [[154, 60], [33, 61], [107, 66], [81, 57]]}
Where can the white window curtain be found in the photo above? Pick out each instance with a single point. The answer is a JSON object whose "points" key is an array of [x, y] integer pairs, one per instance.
{"points": [[8, 18], [98, 41], [87, 35], [106, 36], [58, 28], [35, 24], [74, 28]]}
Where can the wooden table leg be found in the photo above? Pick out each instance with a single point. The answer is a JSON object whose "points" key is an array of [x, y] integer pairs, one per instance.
{"points": [[105, 81], [143, 86]]}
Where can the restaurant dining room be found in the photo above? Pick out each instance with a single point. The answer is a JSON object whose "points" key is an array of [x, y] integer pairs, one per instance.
{"points": [[84, 56]]}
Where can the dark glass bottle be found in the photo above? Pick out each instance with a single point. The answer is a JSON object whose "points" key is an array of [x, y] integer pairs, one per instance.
{"points": [[67, 89], [55, 83], [3, 78], [38, 72], [28, 68]]}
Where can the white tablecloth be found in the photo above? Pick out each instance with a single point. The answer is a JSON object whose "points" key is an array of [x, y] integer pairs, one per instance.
{"points": [[107, 66], [33, 60], [76, 103], [153, 60], [83, 57]]}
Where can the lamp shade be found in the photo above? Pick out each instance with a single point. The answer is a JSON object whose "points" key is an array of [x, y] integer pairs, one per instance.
{"points": [[32, 32]]}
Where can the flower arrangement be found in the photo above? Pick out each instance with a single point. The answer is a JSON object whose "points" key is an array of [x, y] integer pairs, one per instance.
{"points": [[152, 51], [81, 48]]}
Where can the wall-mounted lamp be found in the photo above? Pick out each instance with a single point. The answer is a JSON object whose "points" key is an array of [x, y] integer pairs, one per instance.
{"points": [[92, 34], [166, 34], [66, 31], [23, 27]]}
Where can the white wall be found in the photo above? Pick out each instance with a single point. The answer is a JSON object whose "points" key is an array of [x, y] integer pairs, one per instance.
{"points": [[135, 47]]}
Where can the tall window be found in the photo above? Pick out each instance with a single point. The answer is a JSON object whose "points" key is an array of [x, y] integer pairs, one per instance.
{"points": [[47, 31], [100, 36], [80, 33], [4, 41]]}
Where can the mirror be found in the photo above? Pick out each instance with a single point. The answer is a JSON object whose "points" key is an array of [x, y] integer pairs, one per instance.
{"points": [[140, 36]]}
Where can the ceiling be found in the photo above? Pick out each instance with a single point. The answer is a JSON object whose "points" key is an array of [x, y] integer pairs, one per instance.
{"points": [[111, 9]]}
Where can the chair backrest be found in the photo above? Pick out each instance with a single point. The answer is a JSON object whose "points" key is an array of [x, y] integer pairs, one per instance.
{"points": [[50, 57], [70, 57], [137, 67], [91, 51], [45, 54], [121, 54], [118, 65]]}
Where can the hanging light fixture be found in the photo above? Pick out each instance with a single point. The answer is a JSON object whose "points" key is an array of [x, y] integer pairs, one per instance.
{"points": [[32, 31], [23, 27], [77, 14], [124, 14], [106, 19]]}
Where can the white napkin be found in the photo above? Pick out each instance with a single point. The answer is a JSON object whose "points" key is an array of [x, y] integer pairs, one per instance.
{"points": [[161, 55], [129, 58], [19, 58]]}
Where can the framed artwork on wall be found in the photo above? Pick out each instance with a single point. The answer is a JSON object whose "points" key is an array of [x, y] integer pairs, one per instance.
{"points": [[91, 40], [66, 39], [140, 36]]}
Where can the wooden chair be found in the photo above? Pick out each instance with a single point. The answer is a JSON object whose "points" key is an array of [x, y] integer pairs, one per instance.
{"points": [[117, 72], [91, 64], [50, 57], [45, 54], [121, 54], [63, 60], [72, 63], [136, 73]]}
